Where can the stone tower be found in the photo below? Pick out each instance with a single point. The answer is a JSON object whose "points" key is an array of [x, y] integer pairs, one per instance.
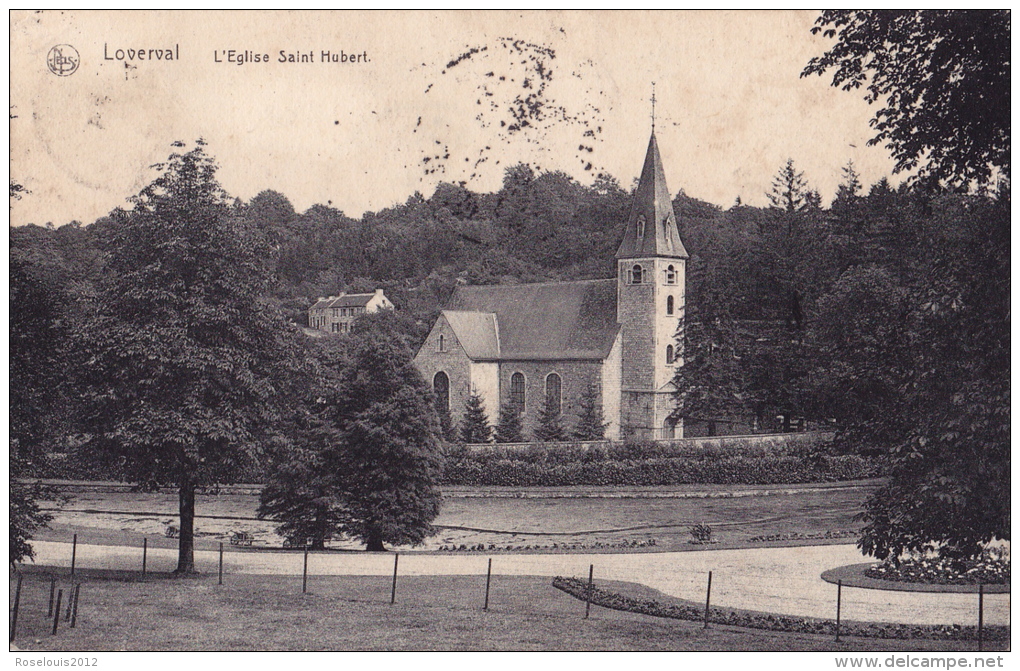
{"points": [[650, 264]]}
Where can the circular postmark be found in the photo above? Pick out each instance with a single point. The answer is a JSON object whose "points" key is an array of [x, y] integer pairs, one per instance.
{"points": [[63, 60]]}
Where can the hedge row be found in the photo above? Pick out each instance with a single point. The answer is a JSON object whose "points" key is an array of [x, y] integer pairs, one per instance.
{"points": [[573, 453], [788, 623], [623, 464], [746, 470]]}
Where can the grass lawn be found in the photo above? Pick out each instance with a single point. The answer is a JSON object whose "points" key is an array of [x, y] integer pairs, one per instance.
{"points": [[121, 612], [503, 522]]}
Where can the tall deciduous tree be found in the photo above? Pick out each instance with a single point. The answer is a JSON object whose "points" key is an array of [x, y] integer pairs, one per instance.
{"points": [[38, 361], [304, 487], [950, 486], [181, 357], [942, 79], [863, 331], [474, 427]]}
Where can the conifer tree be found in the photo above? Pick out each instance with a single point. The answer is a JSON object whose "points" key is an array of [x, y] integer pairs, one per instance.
{"points": [[591, 424], [510, 428], [850, 187], [447, 432], [474, 427], [550, 427], [789, 189], [367, 459]]}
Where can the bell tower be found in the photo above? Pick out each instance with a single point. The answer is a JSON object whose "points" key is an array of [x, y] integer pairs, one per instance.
{"points": [[651, 266]]}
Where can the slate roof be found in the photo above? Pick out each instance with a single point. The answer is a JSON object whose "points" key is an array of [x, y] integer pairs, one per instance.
{"points": [[553, 320], [651, 201], [477, 332], [345, 301]]}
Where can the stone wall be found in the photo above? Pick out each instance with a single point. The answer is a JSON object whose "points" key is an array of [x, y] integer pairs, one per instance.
{"points": [[453, 361], [574, 377]]}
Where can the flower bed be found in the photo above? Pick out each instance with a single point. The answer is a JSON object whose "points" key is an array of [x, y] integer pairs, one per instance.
{"points": [[797, 536], [491, 547], [991, 568], [786, 623]]}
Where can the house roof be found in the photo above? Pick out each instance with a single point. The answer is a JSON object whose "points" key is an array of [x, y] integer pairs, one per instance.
{"points": [[477, 332], [343, 301], [554, 320], [659, 235]]}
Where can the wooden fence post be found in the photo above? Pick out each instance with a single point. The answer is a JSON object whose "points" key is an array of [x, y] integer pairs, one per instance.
{"points": [[708, 597], [220, 577], [56, 613], [981, 616], [74, 553], [393, 592], [839, 606], [488, 579], [145, 554], [587, 604]]}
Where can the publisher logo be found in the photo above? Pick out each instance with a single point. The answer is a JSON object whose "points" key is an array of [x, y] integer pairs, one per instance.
{"points": [[63, 60]]}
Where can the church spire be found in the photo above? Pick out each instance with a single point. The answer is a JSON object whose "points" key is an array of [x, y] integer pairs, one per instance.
{"points": [[651, 227]]}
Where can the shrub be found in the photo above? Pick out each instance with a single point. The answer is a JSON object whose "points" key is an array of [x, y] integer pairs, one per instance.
{"points": [[533, 467], [701, 533]]}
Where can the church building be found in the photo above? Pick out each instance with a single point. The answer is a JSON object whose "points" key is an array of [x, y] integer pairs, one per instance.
{"points": [[523, 344]]}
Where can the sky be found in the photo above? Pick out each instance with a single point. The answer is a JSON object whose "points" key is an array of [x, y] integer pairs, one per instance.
{"points": [[434, 96]]}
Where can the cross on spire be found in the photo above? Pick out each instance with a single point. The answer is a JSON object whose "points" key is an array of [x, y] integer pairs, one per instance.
{"points": [[653, 107]]}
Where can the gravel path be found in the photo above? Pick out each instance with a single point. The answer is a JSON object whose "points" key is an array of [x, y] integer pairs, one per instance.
{"points": [[777, 580]]}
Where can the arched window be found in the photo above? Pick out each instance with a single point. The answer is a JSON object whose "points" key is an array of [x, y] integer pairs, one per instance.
{"points": [[441, 346], [517, 390], [441, 387], [669, 354], [670, 275], [635, 274], [641, 226], [669, 305], [553, 396]]}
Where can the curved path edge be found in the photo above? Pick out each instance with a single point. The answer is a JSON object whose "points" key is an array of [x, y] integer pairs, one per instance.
{"points": [[692, 612], [773, 580]]}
